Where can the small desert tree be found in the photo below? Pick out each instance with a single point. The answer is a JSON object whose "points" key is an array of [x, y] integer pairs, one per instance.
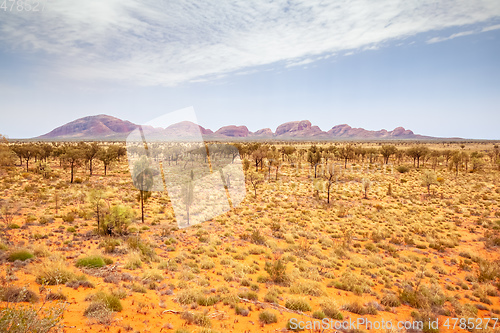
{"points": [[143, 179], [346, 153], [26, 152], [366, 186], [188, 194], [330, 179], [386, 151], [456, 161], [90, 152], [255, 179], [314, 157], [429, 178], [273, 158], [72, 157], [6, 154], [465, 159], [246, 165], [107, 156], [417, 153], [258, 157], [277, 271], [95, 198], [116, 222]]}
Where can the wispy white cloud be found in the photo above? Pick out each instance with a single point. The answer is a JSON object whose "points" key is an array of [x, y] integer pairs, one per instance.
{"points": [[459, 34], [300, 63], [173, 42], [491, 28]]}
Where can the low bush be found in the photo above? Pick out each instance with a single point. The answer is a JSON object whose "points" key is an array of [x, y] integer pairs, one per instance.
{"points": [[297, 304], [267, 317], [277, 272], [20, 255], [310, 288], [53, 273], [17, 294], [199, 319], [403, 169], [30, 319], [94, 261], [330, 309]]}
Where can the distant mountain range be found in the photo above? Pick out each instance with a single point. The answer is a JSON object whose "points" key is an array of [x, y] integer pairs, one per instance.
{"points": [[103, 127]]}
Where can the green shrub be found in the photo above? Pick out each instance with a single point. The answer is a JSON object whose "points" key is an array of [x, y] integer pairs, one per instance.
{"points": [[53, 273], [102, 306], [267, 317], [271, 297], [355, 307], [297, 304], [257, 237], [145, 249], [248, 295], [310, 288], [133, 261], [330, 308], [199, 319], [403, 169], [352, 282], [241, 311], [20, 255], [488, 271], [117, 221], [277, 272], [69, 218], [391, 300], [319, 315], [94, 261], [188, 296]]}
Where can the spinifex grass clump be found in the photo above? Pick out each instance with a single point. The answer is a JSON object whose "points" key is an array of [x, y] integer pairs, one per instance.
{"points": [[20, 255], [94, 261], [102, 307], [267, 317], [298, 304], [53, 273]]}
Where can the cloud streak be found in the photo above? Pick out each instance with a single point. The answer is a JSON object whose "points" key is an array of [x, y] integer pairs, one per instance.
{"points": [[173, 42]]}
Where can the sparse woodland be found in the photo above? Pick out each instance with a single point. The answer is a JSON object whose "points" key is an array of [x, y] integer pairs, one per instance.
{"points": [[407, 230]]}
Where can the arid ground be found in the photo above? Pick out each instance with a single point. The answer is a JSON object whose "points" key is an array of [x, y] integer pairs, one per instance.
{"points": [[326, 230]]}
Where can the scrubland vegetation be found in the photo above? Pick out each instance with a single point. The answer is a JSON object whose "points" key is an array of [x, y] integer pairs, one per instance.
{"points": [[407, 231]]}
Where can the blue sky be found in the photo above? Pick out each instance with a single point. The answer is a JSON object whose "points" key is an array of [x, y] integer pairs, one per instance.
{"points": [[432, 67]]}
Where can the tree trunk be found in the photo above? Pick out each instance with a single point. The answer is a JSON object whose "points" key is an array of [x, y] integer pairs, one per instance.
{"points": [[142, 206]]}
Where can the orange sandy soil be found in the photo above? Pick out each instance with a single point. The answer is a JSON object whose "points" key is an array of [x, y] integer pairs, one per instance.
{"points": [[460, 211]]}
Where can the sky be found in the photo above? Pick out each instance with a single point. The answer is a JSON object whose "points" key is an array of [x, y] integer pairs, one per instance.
{"points": [[430, 66]]}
